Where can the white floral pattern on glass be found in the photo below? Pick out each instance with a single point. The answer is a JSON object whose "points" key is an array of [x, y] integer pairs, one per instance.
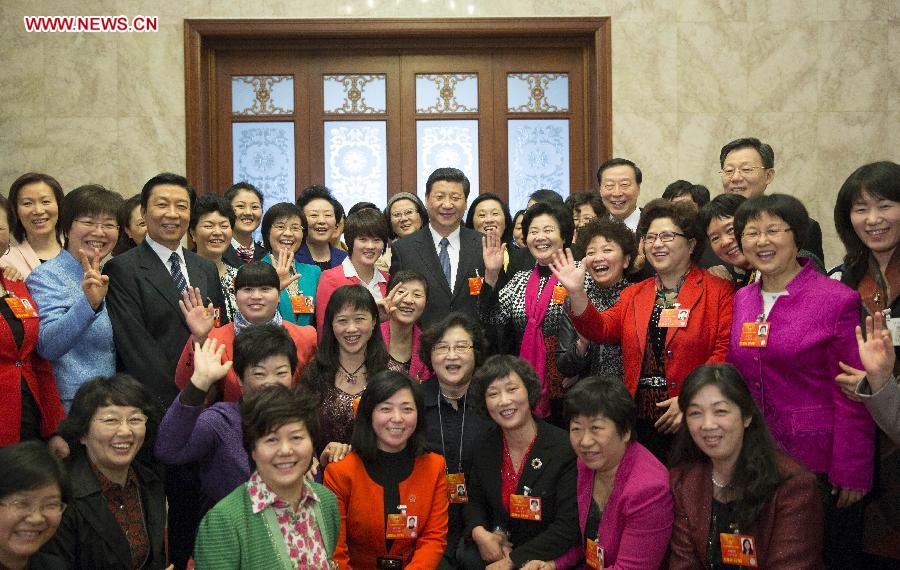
{"points": [[447, 143], [538, 158], [263, 155], [537, 92], [356, 161], [355, 94], [258, 95], [447, 93]]}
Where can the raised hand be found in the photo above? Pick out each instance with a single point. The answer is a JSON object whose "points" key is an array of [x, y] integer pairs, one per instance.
{"points": [[876, 351], [492, 253], [208, 365], [94, 284], [571, 276], [387, 305], [199, 319], [284, 264]]}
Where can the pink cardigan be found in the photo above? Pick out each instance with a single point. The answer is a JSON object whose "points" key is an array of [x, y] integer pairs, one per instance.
{"points": [[330, 280], [792, 379], [637, 521], [417, 369]]}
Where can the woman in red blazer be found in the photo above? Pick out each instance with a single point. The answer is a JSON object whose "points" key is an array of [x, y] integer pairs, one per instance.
{"points": [[366, 232], [667, 325], [392, 495], [759, 507], [256, 292], [30, 407]]}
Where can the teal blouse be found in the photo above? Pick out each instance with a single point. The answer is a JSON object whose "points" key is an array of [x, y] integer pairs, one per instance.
{"points": [[308, 283]]}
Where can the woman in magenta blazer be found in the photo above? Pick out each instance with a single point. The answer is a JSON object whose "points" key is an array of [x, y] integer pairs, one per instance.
{"points": [[809, 322], [366, 232], [624, 502]]}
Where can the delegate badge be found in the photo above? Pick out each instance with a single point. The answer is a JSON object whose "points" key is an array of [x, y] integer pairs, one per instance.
{"points": [[674, 318], [559, 295], [21, 308], [593, 554], [755, 334], [738, 549], [475, 284], [402, 526], [456, 488], [525, 507], [302, 304], [893, 325]]}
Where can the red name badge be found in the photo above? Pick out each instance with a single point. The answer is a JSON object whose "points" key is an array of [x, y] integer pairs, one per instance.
{"points": [[21, 308], [738, 549], [674, 318], [302, 304], [456, 488], [525, 507], [402, 526], [593, 554], [559, 295], [475, 284], [755, 334]]}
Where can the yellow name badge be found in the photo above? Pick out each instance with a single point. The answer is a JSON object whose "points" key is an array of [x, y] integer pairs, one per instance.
{"points": [[302, 304], [738, 549], [21, 308], [674, 318], [456, 488], [525, 507], [402, 526], [593, 554], [755, 334]]}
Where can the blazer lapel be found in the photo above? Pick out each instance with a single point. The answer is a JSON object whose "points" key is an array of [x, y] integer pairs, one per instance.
{"points": [[643, 309], [467, 247], [429, 257], [196, 278], [535, 462], [95, 511], [688, 298], [158, 275]]}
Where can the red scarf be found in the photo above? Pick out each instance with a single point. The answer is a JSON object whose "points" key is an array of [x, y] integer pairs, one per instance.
{"points": [[533, 348]]}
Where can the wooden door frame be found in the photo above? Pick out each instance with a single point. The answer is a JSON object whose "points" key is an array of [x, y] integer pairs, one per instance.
{"points": [[204, 39]]}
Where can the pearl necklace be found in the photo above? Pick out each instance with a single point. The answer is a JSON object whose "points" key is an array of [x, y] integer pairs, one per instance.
{"points": [[717, 484]]}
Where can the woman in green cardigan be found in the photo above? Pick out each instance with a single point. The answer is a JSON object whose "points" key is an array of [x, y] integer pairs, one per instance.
{"points": [[278, 519]]}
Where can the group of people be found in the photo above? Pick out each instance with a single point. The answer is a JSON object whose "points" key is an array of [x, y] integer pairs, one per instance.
{"points": [[681, 385]]}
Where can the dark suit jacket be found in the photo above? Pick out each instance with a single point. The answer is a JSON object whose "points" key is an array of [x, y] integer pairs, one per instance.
{"points": [[549, 472], [417, 252], [231, 257], [89, 536], [813, 240], [788, 530], [149, 329]]}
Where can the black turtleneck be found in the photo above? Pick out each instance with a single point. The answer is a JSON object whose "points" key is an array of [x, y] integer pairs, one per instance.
{"points": [[388, 470]]}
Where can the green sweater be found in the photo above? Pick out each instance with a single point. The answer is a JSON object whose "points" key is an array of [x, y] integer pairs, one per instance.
{"points": [[231, 536]]}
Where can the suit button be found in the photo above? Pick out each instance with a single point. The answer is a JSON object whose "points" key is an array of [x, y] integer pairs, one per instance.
{"points": [[18, 363]]}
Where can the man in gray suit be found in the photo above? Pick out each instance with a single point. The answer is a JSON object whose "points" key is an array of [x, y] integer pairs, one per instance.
{"points": [[446, 253]]}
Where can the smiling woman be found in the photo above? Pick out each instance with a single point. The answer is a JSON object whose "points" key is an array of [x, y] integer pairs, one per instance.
{"points": [[35, 198], [212, 221]]}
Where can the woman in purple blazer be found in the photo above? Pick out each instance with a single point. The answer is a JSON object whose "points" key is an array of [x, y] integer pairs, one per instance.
{"points": [[625, 508], [809, 323]]}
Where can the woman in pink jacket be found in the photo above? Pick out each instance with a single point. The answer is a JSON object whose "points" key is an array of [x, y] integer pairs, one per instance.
{"points": [[789, 332]]}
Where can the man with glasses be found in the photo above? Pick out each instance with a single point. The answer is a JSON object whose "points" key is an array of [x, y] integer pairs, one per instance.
{"points": [[747, 168]]}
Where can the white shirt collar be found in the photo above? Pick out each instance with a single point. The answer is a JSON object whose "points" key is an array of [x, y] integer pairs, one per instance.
{"points": [[632, 220], [453, 238], [164, 252], [350, 271]]}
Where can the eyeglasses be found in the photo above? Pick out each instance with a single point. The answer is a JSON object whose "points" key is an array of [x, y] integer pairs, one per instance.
{"points": [[403, 214], [105, 226], [443, 348], [770, 233], [283, 227], [664, 237], [25, 508], [113, 422], [744, 170], [729, 232]]}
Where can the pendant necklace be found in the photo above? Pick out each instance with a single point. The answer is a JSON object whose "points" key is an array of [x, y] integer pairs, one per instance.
{"points": [[351, 376]]}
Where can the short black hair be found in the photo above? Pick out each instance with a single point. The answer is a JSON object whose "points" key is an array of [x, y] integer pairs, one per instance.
{"points": [[604, 396], [117, 390], [501, 366], [256, 274], [280, 211], [556, 211], [721, 207], [243, 185], [272, 407], [614, 230], [123, 217], [766, 154], [435, 332], [698, 193], [786, 207], [87, 200], [366, 222], [258, 342], [682, 215], [28, 466], [381, 387], [507, 218], [447, 175], [167, 178], [405, 276], [590, 198], [209, 203], [18, 230], [638, 176], [546, 196], [362, 206], [317, 191]]}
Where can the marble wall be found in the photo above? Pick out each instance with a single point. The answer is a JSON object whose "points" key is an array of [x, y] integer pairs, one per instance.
{"points": [[817, 79]]}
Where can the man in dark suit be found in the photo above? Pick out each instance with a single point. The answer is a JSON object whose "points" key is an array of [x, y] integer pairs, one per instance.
{"points": [[144, 288], [446, 253]]}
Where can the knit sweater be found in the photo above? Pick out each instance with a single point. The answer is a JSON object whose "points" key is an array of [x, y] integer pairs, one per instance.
{"points": [[231, 536]]}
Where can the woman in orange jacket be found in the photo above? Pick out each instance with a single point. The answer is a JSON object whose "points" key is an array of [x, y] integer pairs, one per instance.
{"points": [[392, 495]]}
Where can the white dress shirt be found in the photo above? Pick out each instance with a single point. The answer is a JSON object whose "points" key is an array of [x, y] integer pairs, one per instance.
{"points": [[372, 286], [452, 251], [165, 253]]}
